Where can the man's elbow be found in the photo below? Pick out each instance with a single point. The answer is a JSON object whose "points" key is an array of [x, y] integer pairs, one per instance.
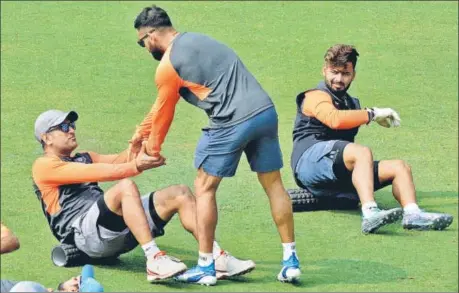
{"points": [[15, 244], [10, 244], [335, 124]]}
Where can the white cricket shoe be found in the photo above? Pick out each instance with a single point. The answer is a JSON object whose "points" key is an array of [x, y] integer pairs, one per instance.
{"points": [[290, 272], [228, 266], [162, 266]]}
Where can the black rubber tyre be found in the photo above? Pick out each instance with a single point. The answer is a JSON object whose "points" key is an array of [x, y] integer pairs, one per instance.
{"points": [[67, 255], [303, 200]]}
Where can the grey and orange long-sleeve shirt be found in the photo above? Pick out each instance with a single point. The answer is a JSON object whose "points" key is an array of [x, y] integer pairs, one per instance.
{"points": [[67, 187], [208, 75]]}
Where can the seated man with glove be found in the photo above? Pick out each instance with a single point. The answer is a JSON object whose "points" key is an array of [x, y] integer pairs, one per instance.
{"points": [[327, 162]]}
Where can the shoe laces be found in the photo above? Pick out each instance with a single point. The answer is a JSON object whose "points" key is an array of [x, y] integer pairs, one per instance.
{"points": [[160, 254], [374, 209], [227, 255]]}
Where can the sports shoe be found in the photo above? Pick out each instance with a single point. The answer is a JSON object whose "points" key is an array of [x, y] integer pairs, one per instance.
{"points": [[227, 266], [290, 270], [162, 266], [379, 218], [426, 221], [199, 275]]}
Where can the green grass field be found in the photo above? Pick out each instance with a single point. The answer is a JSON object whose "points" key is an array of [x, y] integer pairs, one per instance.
{"points": [[84, 56]]}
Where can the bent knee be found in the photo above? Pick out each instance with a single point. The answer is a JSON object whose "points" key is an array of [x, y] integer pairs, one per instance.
{"points": [[127, 184], [355, 152], [402, 166], [128, 187], [205, 184], [183, 192], [365, 153], [175, 196]]}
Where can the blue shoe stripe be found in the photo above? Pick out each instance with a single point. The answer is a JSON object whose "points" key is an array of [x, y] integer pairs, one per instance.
{"points": [[196, 278], [196, 273], [292, 261], [284, 272]]}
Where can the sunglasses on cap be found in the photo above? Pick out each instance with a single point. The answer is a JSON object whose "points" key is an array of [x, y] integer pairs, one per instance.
{"points": [[64, 127], [141, 42]]}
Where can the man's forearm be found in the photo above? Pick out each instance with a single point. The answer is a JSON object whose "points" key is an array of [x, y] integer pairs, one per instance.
{"points": [[144, 127]]}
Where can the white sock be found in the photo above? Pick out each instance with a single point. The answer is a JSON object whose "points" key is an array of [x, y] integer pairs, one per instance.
{"points": [[216, 250], [289, 248], [205, 259], [367, 208], [411, 208], [150, 248]]}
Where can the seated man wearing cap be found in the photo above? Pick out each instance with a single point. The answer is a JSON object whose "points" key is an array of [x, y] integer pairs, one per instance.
{"points": [[104, 224]]}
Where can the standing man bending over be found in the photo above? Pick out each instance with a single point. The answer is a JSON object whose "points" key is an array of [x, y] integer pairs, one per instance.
{"points": [[105, 224], [210, 76], [326, 161]]}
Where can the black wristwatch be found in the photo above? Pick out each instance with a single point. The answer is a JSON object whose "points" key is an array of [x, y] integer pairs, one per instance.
{"points": [[371, 114]]}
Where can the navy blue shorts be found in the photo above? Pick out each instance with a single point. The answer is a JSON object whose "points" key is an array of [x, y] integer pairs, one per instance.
{"points": [[322, 171], [219, 149]]}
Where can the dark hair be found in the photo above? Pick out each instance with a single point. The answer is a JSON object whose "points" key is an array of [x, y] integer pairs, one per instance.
{"points": [[60, 287], [340, 54], [153, 16]]}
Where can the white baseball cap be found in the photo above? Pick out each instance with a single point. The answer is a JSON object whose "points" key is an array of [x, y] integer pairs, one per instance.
{"points": [[51, 118]]}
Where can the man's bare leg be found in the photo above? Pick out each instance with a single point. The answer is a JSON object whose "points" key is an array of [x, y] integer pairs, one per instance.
{"points": [[206, 221], [282, 213], [179, 199], [359, 160], [399, 173], [206, 214], [124, 200]]}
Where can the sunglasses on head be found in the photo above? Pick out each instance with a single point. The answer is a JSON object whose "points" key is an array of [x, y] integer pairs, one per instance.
{"points": [[64, 127], [141, 42]]}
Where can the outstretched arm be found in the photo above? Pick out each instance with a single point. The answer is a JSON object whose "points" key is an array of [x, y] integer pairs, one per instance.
{"points": [[319, 104], [53, 171], [156, 124]]}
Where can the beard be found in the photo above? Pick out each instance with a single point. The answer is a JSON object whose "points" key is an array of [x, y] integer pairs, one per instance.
{"points": [[157, 54], [338, 93]]}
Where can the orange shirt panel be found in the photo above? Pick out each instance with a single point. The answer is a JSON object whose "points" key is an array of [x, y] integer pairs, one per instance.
{"points": [[319, 104], [199, 90], [51, 172]]}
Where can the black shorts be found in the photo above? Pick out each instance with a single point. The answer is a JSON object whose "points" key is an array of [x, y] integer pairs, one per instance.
{"points": [[101, 233], [344, 176]]}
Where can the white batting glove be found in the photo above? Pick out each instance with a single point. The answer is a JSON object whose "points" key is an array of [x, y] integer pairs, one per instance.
{"points": [[385, 117]]}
